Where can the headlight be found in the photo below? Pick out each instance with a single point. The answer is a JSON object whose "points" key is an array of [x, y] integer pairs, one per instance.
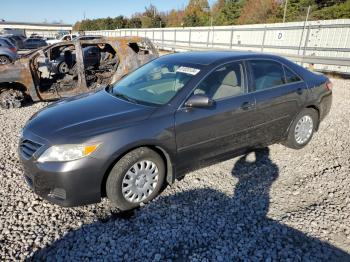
{"points": [[67, 152]]}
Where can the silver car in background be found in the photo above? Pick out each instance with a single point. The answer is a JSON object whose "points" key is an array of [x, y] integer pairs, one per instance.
{"points": [[8, 52], [17, 40], [34, 43]]}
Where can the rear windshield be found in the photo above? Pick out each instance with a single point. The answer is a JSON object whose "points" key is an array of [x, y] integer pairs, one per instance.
{"points": [[7, 42]]}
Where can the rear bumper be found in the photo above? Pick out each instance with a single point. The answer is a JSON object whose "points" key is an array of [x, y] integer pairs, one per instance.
{"points": [[14, 56], [67, 184], [325, 106]]}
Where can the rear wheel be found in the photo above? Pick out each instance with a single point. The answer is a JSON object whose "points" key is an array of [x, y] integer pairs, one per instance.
{"points": [[4, 60], [136, 178], [11, 98], [302, 129]]}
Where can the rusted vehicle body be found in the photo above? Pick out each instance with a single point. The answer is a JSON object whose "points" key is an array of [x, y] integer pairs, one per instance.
{"points": [[70, 68]]}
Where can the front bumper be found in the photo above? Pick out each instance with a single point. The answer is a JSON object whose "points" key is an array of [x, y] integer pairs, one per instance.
{"points": [[67, 184]]}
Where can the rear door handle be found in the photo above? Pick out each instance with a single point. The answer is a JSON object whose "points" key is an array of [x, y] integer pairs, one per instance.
{"points": [[247, 105]]}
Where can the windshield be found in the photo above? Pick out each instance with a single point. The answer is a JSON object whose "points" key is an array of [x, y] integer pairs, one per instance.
{"points": [[155, 83]]}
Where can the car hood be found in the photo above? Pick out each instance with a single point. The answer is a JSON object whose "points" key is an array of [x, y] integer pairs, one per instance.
{"points": [[85, 116]]}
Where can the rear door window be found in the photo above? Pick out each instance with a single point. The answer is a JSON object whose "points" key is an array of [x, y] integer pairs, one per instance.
{"points": [[266, 74], [291, 77], [7, 42]]}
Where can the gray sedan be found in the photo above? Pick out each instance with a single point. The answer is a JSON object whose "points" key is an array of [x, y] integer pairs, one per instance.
{"points": [[174, 114]]}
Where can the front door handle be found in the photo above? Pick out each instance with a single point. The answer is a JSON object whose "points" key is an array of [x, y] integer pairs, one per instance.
{"points": [[247, 105]]}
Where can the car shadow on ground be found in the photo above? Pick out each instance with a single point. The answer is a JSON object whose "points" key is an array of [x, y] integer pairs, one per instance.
{"points": [[200, 225]]}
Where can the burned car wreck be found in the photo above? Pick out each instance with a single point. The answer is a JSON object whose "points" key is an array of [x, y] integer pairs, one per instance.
{"points": [[70, 68]]}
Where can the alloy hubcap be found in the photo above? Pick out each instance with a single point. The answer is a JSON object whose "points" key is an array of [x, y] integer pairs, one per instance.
{"points": [[4, 60], [140, 181], [303, 129]]}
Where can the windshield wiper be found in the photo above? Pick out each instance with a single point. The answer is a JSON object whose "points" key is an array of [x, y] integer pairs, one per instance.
{"points": [[125, 97]]}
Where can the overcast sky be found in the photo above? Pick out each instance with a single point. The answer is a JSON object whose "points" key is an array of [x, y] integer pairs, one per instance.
{"points": [[69, 11]]}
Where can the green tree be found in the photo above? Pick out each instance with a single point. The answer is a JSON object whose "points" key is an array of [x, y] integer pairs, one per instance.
{"points": [[174, 18], [77, 26], [296, 10], [257, 11], [328, 3], [151, 17], [226, 12], [197, 13], [341, 10], [223, 12], [119, 22], [134, 22]]}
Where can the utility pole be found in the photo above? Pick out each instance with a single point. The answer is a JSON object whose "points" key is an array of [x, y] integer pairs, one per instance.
{"points": [[285, 10], [308, 13], [302, 33]]}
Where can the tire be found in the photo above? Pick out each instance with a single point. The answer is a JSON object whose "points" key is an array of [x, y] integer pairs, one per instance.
{"points": [[63, 68], [4, 60], [298, 139], [133, 173], [11, 98]]}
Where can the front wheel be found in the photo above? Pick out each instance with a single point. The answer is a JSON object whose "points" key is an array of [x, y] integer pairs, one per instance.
{"points": [[136, 178], [302, 129], [11, 98]]}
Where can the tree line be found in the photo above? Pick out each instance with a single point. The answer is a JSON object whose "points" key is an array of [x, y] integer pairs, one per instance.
{"points": [[223, 12]]}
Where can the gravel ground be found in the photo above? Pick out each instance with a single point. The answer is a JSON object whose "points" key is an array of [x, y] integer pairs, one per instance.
{"points": [[275, 204]]}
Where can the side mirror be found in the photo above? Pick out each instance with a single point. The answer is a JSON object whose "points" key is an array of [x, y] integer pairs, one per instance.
{"points": [[199, 101]]}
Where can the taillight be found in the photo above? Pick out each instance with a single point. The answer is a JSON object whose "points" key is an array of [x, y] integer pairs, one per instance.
{"points": [[329, 85], [13, 49]]}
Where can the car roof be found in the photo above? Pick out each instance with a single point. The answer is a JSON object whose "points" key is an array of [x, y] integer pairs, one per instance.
{"points": [[212, 57], [35, 39]]}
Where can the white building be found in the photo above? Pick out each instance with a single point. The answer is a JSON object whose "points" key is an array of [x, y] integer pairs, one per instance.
{"points": [[42, 29]]}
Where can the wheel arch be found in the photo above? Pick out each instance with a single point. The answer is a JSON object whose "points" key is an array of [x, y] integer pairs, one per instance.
{"points": [[314, 107], [311, 106], [8, 57], [170, 172], [13, 85]]}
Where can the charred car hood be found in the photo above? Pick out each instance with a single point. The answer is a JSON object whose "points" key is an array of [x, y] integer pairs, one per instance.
{"points": [[85, 116]]}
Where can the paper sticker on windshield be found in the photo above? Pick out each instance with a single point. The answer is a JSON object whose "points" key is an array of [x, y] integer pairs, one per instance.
{"points": [[187, 70]]}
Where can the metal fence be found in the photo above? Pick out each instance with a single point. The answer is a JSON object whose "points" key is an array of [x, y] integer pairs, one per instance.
{"points": [[325, 44]]}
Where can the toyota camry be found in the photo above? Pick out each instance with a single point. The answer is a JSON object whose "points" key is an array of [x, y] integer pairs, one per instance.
{"points": [[173, 114]]}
